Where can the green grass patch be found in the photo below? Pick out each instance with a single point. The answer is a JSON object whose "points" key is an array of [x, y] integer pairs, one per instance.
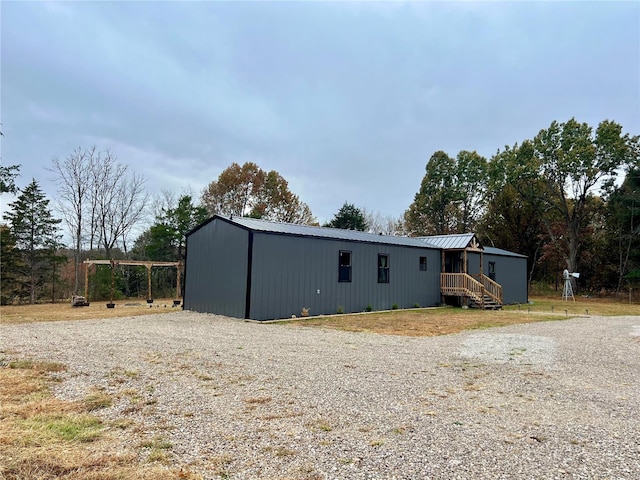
{"points": [[157, 443], [41, 367], [71, 428], [21, 364], [158, 449], [96, 400]]}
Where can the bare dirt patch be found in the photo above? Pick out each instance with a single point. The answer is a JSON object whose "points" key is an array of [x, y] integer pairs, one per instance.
{"points": [[423, 323]]}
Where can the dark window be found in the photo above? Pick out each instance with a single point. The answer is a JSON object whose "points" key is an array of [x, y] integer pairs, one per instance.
{"points": [[423, 264], [492, 270], [383, 268], [344, 266]]}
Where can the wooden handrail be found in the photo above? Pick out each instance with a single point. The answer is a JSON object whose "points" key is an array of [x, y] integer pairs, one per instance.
{"points": [[494, 289], [460, 284], [475, 287]]}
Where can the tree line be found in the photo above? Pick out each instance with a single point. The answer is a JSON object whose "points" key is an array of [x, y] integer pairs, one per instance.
{"points": [[567, 198]]}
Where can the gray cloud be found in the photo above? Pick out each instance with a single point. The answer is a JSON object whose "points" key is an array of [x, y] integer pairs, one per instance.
{"points": [[346, 100]]}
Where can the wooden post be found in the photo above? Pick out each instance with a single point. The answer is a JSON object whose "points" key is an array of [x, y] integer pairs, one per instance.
{"points": [[149, 297], [178, 286], [86, 281], [464, 263], [113, 281]]}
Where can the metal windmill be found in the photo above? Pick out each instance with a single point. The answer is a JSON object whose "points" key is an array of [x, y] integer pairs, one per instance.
{"points": [[568, 287]]}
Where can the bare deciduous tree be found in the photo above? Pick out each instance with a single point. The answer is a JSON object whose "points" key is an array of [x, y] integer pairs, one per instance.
{"points": [[73, 177], [378, 222], [120, 201], [101, 201]]}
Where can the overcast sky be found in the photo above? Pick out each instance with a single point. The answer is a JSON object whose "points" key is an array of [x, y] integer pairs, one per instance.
{"points": [[347, 101]]}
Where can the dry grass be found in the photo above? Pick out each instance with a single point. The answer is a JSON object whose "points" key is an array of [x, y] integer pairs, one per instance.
{"points": [[45, 438], [605, 306], [52, 312], [414, 322], [424, 322]]}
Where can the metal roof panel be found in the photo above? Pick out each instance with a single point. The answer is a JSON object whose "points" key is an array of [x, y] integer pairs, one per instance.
{"points": [[453, 241], [326, 232], [500, 251]]}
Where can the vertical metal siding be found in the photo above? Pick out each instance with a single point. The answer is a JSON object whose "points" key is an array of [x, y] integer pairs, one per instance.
{"points": [[511, 273], [288, 271], [216, 269], [473, 263]]}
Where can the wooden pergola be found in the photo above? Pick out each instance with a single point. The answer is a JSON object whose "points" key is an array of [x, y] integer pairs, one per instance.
{"points": [[147, 264]]}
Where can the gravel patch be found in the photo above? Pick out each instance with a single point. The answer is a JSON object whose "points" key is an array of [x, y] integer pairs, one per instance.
{"points": [[239, 400]]}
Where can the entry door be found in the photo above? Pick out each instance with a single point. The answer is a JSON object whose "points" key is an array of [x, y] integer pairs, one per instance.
{"points": [[452, 262]]}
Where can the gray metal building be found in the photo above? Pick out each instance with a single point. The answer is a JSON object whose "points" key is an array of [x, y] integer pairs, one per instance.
{"points": [[509, 270], [248, 268]]}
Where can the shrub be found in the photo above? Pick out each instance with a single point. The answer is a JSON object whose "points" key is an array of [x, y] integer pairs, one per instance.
{"points": [[394, 306], [369, 308], [340, 309]]}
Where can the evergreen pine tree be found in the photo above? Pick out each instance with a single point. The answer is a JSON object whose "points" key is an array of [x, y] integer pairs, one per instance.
{"points": [[349, 217], [10, 267], [35, 232]]}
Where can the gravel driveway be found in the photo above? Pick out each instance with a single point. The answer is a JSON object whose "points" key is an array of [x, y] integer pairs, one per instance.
{"points": [[264, 401]]}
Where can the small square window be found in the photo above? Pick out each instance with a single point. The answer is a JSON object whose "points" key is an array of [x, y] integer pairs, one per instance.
{"points": [[383, 268], [423, 264]]}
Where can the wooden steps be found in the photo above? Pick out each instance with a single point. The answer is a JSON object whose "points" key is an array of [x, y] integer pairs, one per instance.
{"points": [[480, 292], [488, 304]]}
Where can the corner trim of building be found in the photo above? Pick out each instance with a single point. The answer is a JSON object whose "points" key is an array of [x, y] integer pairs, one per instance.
{"points": [[247, 303], [186, 252]]}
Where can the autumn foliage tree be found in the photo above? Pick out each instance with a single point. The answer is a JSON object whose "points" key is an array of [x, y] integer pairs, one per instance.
{"points": [[562, 168], [553, 198], [248, 190]]}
